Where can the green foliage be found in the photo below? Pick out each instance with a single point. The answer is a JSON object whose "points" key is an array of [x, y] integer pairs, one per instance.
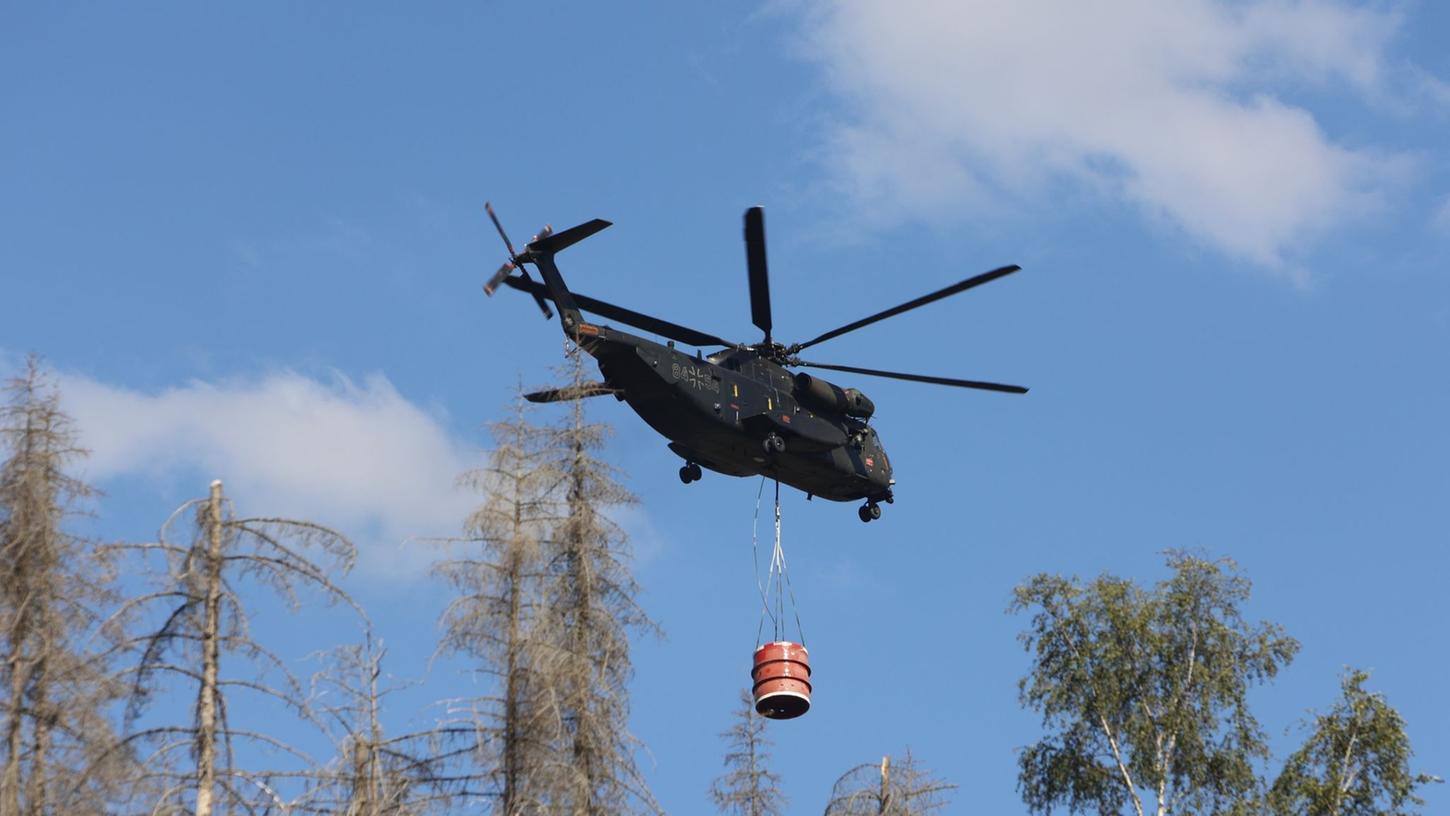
{"points": [[1356, 761], [1143, 691]]}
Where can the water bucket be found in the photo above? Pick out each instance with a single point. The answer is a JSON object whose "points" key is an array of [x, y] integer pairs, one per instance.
{"points": [[782, 676]]}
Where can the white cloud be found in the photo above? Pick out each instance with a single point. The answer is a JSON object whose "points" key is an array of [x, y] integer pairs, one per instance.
{"points": [[360, 458], [1177, 108]]}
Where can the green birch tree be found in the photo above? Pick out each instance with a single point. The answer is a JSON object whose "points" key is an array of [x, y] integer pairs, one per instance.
{"points": [[1356, 761], [1143, 692]]}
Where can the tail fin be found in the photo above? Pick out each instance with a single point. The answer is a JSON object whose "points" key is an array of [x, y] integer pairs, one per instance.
{"points": [[541, 252], [559, 241]]}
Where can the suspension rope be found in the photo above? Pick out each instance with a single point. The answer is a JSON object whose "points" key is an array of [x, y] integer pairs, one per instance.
{"points": [[777, 585], [755, 563]]}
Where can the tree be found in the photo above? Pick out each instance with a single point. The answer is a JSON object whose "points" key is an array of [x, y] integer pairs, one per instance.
{"points": [[1356, 761], [748, 787], [591, 609], [56, 687], [1144, 692], [373, 773], [203, 620], [499, 620], [887, 789]]}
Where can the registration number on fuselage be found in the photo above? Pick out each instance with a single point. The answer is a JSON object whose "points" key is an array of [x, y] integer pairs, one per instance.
{"points": [[698, 377]]}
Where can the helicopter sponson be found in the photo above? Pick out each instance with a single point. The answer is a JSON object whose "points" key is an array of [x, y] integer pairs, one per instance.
{"points": [[828, 396]]}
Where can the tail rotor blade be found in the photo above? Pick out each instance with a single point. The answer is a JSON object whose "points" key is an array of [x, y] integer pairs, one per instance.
{"points": [[496, 225], [493, 282], [538, 296], [514, 262], [759, 274]]}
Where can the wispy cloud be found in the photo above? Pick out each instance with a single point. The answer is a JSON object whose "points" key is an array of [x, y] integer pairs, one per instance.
{"points": [[1440, 218], [1177, 108], [356, 456]]}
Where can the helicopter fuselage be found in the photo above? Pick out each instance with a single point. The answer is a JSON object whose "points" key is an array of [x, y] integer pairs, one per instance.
{"points": [[719, 411], [738, 411]]}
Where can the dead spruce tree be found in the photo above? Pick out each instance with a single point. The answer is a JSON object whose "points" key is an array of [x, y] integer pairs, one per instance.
{"points": [[373, 773], [748, 787], [201, 620], [56, 688], [889, 789], [591, 610], [498, 621]]}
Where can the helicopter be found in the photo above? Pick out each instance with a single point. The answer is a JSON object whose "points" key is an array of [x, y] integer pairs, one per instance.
{"points": [[738, 411]]}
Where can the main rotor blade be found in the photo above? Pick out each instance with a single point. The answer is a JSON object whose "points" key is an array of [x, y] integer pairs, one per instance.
{"points": [[664, 328], [978, 280], [896, 375], [755, 264]]}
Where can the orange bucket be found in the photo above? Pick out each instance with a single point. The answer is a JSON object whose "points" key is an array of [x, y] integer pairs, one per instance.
{"points": [[782, 676]]}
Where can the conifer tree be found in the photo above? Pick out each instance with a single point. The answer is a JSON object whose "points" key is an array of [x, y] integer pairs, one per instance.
{"points": [[748, 787], [592, 609], [498, 620], [374, 773], [203, 620], [900, 788], [56, 689]]}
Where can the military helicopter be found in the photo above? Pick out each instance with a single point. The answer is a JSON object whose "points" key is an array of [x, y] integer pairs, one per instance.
{"points": [[737, 411]]}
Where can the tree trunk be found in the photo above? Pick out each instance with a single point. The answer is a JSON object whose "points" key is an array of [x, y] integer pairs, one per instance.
{"points": [[586, 753], [211, 656], [14, 737], [885, 782], [512, 735], [15, 659], [35, 803]]}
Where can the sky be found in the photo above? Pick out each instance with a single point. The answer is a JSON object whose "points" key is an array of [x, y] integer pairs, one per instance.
{"points": [[250, 241]]}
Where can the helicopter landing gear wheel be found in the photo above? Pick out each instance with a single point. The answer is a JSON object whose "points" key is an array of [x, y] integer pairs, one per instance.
{"points": [[868, 512], [774, 444], [690, 473]]}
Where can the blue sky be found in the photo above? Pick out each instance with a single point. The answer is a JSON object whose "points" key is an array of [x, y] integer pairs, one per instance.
{"points": [[251, 243]]}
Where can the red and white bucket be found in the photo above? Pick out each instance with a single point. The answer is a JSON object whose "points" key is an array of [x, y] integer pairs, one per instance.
{"points": [[782, 676]]}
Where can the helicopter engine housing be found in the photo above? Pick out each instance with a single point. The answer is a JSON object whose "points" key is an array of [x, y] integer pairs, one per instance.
{"points": [[831, 397]]}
